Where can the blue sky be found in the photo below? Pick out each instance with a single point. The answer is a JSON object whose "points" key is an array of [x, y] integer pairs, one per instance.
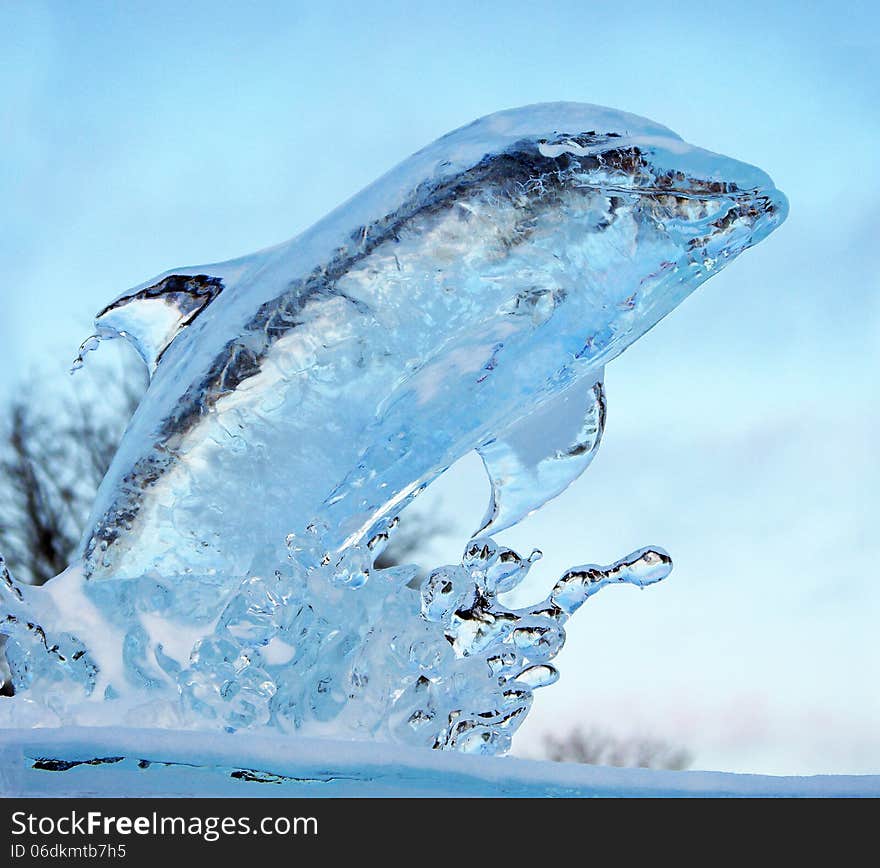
{"points": [[742, 431]]}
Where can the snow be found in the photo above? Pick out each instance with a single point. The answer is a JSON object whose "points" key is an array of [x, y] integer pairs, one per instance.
{"points": [[170, 763]]}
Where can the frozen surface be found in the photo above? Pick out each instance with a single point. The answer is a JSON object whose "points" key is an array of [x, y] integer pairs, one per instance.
{"points": [[301, 397], [83, 762]]}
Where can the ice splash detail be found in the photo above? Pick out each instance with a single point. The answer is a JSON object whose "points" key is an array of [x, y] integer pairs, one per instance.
{"points": [[310, 650], [302, 396]]}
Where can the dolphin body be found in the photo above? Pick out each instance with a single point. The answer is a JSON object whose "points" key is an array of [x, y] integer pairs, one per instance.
{"points": [[469, 299]]}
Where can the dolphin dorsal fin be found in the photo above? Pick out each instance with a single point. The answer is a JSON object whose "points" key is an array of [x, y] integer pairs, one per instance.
{"points": [[150, 318], [539, 456]]}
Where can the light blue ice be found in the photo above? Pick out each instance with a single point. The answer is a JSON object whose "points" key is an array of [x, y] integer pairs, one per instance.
{"points": [[301, 397]]}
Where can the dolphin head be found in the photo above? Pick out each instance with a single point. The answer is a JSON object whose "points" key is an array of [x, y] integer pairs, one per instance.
{"points": [[690, 211], [639, 216], [711, 207]]}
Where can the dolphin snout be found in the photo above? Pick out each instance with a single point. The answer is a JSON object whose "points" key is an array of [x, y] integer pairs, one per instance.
{"points": [[775, 205], [715, 169]]}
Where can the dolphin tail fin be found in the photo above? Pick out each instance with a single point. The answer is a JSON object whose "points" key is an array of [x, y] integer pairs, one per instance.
{"points": [[151, 317]]}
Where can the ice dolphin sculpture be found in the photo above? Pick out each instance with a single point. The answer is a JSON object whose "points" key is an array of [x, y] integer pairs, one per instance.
{"points": [[469, 299]]}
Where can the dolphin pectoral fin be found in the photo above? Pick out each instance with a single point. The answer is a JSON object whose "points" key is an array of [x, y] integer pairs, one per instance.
{"points": [[150, 318], [538, 457]]}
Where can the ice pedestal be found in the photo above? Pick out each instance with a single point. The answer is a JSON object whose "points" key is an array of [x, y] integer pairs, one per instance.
{"points": [[120, 761]]}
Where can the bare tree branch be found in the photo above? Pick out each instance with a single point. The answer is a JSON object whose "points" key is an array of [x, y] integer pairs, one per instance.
{"points": [[51, 463], [598, 748]]}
